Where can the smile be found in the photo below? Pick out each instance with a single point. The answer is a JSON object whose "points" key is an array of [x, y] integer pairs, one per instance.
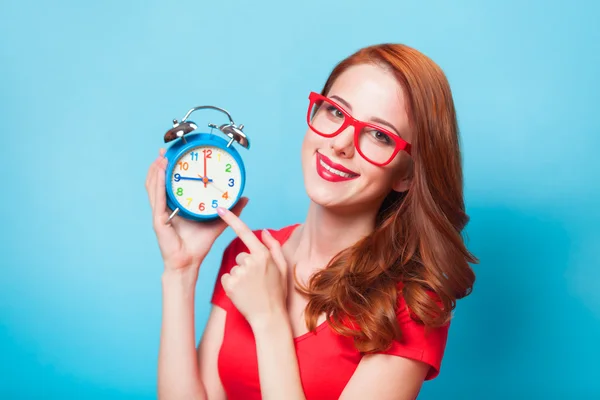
{"points": [[333, 172]]}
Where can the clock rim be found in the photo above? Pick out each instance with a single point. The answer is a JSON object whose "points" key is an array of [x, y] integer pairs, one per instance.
{"points": [[175, 152]]}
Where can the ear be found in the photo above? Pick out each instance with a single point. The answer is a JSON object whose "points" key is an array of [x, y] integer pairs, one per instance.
{"points": [[401, 185]]}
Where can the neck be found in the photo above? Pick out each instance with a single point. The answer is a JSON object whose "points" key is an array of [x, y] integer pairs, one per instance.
{"points": [[325, 233]]}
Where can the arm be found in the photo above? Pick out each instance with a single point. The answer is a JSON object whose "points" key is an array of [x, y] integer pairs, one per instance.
{"points": [[257, 287], [178, 371], [386, 377], [208, 354], [277, 363], [184, 373], [398, 372], [377, 375]]}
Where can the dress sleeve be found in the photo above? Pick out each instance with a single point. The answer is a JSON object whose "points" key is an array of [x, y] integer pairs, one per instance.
{"points": [[219, 296], [418, 342]]}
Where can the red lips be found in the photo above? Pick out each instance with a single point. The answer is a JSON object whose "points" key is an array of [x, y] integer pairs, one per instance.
{"points": [[330, 176]]}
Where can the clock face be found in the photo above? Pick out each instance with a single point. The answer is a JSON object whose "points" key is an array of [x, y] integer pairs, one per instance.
{"points": [[204, 178]]}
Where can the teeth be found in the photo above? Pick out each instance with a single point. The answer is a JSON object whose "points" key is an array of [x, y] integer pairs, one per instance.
{"points": [[334, 171]]}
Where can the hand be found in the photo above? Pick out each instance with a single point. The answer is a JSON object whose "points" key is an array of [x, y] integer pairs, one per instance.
{"points": [[183, 243], [257, 284]]}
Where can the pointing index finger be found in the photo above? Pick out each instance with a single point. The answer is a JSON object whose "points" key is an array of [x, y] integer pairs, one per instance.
{"points": [[241, 229]]}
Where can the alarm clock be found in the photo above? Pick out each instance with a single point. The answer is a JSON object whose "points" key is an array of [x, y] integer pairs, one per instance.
{"points": [[204, 171]]}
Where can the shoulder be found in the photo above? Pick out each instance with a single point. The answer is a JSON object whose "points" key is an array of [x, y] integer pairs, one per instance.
{"points": [[418, 341]]}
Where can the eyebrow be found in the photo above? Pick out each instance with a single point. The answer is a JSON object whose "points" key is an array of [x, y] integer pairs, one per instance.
{"points": [[374, 119]]}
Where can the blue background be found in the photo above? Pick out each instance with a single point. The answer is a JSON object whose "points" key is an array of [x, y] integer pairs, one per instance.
{"points": [[89, 88]]}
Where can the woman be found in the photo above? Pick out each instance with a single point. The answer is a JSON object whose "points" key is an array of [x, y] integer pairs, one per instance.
{"points": [[356, 301]]}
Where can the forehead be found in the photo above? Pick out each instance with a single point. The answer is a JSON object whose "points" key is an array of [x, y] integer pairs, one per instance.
{"points": [[373, 92]]}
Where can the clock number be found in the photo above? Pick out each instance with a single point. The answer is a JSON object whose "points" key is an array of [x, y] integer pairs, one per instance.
{"points": [[219, 157], [179, 191], [215, 204], [194, 156], [207, 153], [189, 199], [231, 182], [183, 165], [228, 168], [201, 207], [225, 196], [177, 177]]}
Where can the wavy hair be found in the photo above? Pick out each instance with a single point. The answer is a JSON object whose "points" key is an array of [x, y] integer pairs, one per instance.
{"points": [[416, 249]]}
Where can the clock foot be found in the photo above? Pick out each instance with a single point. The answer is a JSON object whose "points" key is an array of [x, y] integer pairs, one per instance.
{"points": [[172, 215]]}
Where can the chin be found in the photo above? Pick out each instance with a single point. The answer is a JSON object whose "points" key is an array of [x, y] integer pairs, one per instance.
{"points": [[324, 197], [345, 196]]}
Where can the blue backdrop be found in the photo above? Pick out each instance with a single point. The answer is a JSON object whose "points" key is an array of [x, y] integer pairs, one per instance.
{"points": [[89, 88]]}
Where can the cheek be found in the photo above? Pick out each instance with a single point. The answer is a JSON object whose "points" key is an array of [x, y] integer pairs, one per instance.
{"points": [[382, 179], [308, 148], [311, 142]]}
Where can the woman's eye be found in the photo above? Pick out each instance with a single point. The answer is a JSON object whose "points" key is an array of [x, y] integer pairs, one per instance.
{"points": [[381, 137], [335, 112]]}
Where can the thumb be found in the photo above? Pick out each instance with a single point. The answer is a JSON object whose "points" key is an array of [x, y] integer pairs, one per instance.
{"points": [[275, 249]]}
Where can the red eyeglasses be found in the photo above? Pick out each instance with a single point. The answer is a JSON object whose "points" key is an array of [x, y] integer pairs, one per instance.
{"points": [[375, 144]]}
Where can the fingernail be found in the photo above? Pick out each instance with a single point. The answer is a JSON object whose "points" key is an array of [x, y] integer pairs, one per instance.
{"points": [[220, 211], [267, 232]]}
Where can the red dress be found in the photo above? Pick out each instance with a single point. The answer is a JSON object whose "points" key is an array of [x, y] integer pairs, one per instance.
{"points": [[326, 359]]}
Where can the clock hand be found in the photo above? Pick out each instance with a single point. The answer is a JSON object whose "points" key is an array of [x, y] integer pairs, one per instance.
{"points": [[189, 178], [205, 177], [216, 187]]}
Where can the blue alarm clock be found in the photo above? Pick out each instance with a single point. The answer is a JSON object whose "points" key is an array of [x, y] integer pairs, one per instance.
{"points": [[204, 171]]}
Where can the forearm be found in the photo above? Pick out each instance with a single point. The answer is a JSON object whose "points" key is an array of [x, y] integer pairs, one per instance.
{"points": [[277, 363], [178, 375]]}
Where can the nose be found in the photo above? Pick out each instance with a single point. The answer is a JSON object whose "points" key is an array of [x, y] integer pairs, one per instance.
{"points": [[343, 143]]}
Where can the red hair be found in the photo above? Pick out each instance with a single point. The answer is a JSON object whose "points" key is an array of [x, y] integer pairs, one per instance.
{"points": [[416, 249]]}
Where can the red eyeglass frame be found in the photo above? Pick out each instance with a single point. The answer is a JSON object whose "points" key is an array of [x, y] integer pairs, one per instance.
{"points": [[349, 120]]}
